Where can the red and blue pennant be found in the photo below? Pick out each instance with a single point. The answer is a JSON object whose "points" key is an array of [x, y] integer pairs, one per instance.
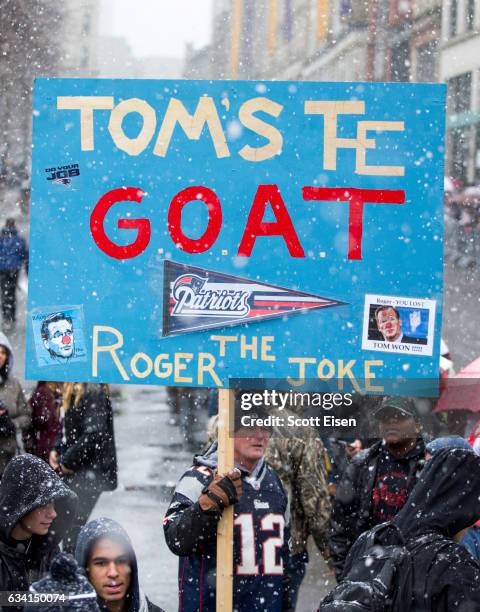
{"points": [[196, 299]]}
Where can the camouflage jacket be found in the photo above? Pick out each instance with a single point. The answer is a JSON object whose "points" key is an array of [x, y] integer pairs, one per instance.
{"points": [[298, 459]]}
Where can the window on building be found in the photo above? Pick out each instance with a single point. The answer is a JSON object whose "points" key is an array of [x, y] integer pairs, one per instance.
{"points": [[453, 18], [460, 93], [470, 15], [426, 65], [247, 38], [477, 153], [84, 57], [399, 11], [353, 12], [86, 25], [288, 20], [401, 62], [460, 154], [459, 101]]}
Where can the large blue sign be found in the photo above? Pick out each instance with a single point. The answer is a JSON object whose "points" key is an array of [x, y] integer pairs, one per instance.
{"points": [[190, 232]]}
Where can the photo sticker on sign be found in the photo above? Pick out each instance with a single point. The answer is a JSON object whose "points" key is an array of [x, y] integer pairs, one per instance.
{"points": [[59, 335], [398, 324]]}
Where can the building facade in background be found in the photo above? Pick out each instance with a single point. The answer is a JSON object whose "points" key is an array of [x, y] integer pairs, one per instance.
{"points": [[460, 69], [114, 59], [78, 38], [54, 39], [321, 40], [341, 40], [357, 40]]}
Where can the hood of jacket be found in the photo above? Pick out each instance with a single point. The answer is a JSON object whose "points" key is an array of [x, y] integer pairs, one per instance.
{"points": [[28, 483], [446, 498], [4, 341], [108, 528], [210, 460], [9, 231]]}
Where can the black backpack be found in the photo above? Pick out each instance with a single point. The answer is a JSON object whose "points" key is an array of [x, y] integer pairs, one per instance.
{"points": [[377, 577]]}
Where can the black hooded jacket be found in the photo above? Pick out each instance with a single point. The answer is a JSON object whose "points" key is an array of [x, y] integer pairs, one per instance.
{"points": [[445, 500], [87, 442], [28, 483], [105, 527], [352, 510]]}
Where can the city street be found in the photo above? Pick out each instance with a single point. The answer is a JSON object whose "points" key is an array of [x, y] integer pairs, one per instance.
{"points": [[227, 194]]}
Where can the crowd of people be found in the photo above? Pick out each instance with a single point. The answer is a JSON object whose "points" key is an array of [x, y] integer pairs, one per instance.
{"points": [[57, 454], [395, 518], [397, 526], [462, 224], [38, 509], [395, 514]]}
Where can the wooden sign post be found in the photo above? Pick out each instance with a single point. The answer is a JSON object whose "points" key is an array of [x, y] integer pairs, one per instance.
{"points": [[226, 406]]}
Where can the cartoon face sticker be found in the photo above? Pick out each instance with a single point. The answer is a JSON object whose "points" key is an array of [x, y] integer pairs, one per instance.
{"points": [[58, 336]]}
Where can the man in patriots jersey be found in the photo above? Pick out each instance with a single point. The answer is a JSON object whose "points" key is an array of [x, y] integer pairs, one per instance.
{"points": [[260, 533]]}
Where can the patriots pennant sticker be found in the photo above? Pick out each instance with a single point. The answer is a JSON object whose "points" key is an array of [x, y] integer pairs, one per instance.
{"points": [[195, 299]]}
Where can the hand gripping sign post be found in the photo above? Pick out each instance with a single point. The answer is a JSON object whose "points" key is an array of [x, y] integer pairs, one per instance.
{"points": [[191, 232]]}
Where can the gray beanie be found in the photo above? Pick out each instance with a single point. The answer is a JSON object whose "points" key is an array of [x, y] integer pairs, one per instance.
{"points": [[65, 577], [439, 444]]}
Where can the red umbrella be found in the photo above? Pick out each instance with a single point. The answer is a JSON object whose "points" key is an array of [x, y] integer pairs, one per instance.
{"points": [[462, 392]]}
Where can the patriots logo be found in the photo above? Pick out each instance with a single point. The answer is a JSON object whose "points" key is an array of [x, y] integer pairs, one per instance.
{"points": [[196, 299], [193, 295], [259, 505]]}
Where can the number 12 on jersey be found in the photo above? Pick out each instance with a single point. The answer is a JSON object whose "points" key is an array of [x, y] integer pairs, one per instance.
{"points": [[272, 560]]}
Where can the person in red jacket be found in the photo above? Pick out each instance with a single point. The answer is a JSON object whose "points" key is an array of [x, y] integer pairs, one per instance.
{"points": [[45, 403]]}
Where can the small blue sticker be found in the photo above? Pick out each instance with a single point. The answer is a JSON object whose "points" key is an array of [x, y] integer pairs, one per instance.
{"points": [[59, 335]]}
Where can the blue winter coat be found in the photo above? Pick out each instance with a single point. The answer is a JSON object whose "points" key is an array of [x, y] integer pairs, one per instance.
{"points": [[13, 250], [471, 541]]}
